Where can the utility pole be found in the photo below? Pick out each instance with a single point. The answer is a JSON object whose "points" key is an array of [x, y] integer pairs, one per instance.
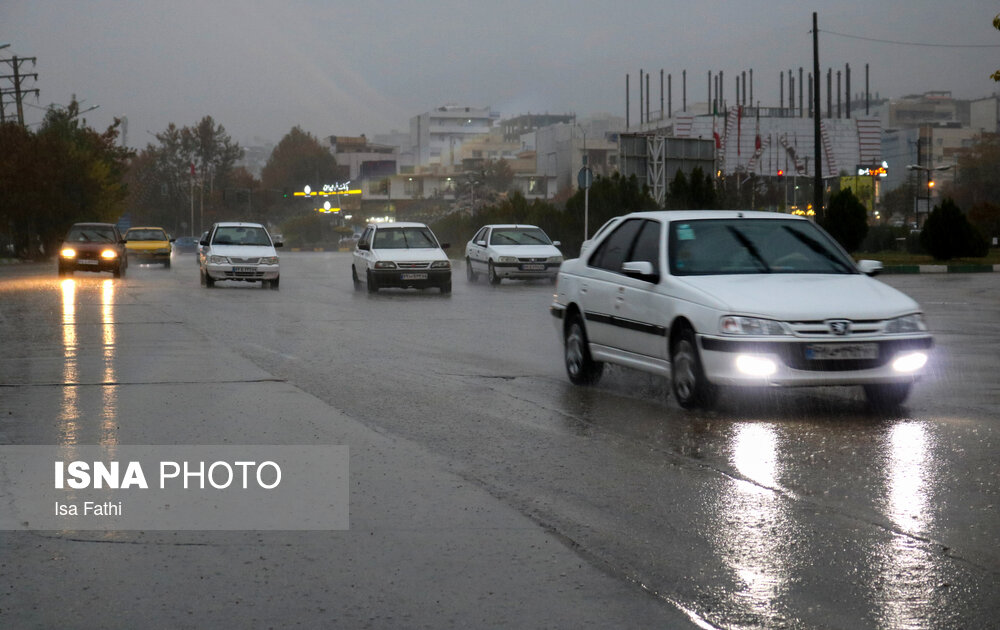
{"points": [[817, 136], [18, 90]]}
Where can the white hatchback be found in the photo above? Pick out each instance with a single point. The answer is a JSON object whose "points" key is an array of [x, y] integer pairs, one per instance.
{"points": [[511, 251], [239, 251], [401, 255], [733, 298]]}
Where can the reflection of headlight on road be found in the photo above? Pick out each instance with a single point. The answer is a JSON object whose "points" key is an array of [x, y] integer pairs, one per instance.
{"points": [[68, 253], [910, 362], [755, 366], [109, 253]]}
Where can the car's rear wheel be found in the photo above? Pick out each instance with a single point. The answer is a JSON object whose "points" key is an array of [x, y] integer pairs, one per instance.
{"points": [[687, 376], [888, 396], [372, 283], [580, 366], [492, 274], [470, 273]]}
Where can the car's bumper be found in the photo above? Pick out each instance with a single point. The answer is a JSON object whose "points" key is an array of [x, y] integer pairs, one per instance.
{"points": [[417, 279], [149, 256], [89, 264], [526, 270], [720, 359], [243, 273]]}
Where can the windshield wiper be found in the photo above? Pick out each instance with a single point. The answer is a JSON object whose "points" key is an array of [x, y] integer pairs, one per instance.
{"points": [[817, 247], [749, 246]]}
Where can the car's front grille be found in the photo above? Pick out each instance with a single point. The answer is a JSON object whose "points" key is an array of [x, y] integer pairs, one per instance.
{"points": [[249, 274], [532, 260], [413, 265], [244, 261], [858, 328]]}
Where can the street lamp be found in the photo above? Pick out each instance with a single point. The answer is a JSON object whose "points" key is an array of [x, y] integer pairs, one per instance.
{"points": [[930, 182]]}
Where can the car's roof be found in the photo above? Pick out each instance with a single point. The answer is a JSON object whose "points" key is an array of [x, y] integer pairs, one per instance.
{"points": [[689, 215], [511, 225], [238, 224], [151, 227], [93, 224], [399, 224]]}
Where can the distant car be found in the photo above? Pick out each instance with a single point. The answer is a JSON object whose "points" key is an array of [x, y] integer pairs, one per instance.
{"points": [[186, 245], [148, 245], [93, 247], [402, 255], [511, 251], [239, 251], [729, 298], [348, 242]]}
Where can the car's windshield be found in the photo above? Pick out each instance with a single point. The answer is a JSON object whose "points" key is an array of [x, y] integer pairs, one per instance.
{"points": [[91, 235], [752, 246], [240, 235], [404, 238], [145, 235], [518, 236]]}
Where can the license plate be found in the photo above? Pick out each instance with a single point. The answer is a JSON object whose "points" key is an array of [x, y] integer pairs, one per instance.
{"points": [[87, 262], [413, 276], [841, 351], [532, 267], [244, 269]]}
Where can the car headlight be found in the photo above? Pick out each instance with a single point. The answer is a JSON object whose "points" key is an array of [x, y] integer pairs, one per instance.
{"points": [[68, 253], [507, 259], [218, 260], [108, 254], [269, 260], [385, 264], [441, 264], [555, 259], [906, 324], [735, 325]]}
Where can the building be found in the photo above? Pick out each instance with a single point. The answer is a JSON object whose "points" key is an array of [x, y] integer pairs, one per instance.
{"points": [[436, 135], [363, 160], [560, 149], [514, 129]]}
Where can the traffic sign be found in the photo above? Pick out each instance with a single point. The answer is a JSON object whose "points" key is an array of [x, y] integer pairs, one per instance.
{"points": [[585, 178]]}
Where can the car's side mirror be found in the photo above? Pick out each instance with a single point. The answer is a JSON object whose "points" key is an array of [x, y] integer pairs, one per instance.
{"points": [[870, 267], [641, 270], [481, 243], [279, 244], [557, 243], [445, 245], [364, 247], [203, 243], [172, 240]]}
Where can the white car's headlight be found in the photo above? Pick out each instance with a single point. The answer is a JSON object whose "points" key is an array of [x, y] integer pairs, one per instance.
{"points": [[736, 325], [555, 259], [385, 264], [269, 260], [507, 259], [218, 260], [906, 324], [441, 264]]}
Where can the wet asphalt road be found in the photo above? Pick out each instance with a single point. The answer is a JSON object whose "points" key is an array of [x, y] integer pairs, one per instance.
{"points": [[486, 489]]}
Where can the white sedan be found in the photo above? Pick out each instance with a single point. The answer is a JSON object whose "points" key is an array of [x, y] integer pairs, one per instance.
{"points": [[401, 255], [729, 298], [239, 251], [511, 251]]}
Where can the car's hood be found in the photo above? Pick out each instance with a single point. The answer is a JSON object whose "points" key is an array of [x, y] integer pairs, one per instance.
{"points": [[243, 251], [526, 251], [146, 245], [801, 296], [410, 255]]}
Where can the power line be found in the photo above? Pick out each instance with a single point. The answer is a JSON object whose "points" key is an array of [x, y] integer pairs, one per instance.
{"points": [[899, 43]]}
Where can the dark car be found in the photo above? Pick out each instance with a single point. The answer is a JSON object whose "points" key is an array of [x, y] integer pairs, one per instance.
{"points": [[186, 245], [93, 247]]}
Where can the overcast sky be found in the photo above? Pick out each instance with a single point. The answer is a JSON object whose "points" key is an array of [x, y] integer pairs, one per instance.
{"points": [[346, 68]]}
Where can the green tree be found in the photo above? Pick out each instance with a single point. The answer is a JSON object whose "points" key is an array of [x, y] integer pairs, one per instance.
{"points": [[846, 220], [986, 218], [977, 178], [678, 192], [996, 24], [948, 234], [297, 161]]}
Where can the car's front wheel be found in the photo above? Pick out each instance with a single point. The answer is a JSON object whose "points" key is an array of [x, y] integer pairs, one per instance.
{"points": [[355, 279], [470, 273], [687, 376], [446, 287], [888, 396], [209, 280], [372, 283], [580, 366], [492, 274]]}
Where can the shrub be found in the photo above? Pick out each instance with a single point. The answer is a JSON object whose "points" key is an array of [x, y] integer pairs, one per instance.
{"points": [[948, 234], [846, 220]]}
